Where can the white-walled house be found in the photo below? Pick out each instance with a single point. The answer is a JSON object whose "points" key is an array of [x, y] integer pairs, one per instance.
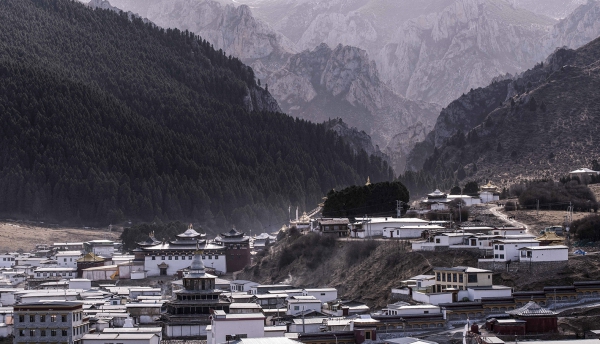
{"points": [[408, 231], [469, 200], [64, 272], [224, 327], [322, 294], [476, 293], [405, 310], [7, 260], [300, 304], [505, 250], [536, 254], [67, 259], [375, 226], [242, 286], [506, 231]]}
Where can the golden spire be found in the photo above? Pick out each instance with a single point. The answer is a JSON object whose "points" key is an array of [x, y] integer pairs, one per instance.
{"points": [[368, 181]]}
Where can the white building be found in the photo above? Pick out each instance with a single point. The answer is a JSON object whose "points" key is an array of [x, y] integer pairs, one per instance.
{"points": [[7, 260], [225, 327], [409, 231], [7, 296], [102, 248], [535, 254], [64, 272], [404, 310], [374, 226], [67, 259], [322, 294], [124, 338], [242, 286], [300, 304], [469, 200], [505, 250], [134, 330], [476, 293]]}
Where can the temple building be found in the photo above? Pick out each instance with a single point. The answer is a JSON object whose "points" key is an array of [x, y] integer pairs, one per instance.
{"points": [[166, 258], [188, 313], [436, 200], [489, 193], [237, 249]]}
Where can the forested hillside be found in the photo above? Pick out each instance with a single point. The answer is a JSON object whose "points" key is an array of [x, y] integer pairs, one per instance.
{"points": [[538, 125], [104, 117]]}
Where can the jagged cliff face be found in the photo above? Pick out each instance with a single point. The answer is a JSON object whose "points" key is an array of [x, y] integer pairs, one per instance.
{"points": [[343, 83], [547, 125], [438, 57], [557, 9], [577, 29], [466, 112], [230, 28]]}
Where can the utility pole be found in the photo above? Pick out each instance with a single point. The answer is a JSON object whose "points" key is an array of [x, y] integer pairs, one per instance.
{"points": [[537, 214]]}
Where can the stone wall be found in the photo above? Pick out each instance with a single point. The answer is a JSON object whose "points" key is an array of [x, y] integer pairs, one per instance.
{"points": [[534, 267]]}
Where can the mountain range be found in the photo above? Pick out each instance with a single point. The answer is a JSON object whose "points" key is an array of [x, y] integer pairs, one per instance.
{"points": [[106, 117], [387, 67], [539, 124]]}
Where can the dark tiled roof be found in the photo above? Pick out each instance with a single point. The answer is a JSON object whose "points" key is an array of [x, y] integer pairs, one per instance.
{"points": [[531, 309]]}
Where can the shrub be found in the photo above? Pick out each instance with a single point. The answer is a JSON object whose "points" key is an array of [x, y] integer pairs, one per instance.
{"points": [[587, 228], [510, 206]]}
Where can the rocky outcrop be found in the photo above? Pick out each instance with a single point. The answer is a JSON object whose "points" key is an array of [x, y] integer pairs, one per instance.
{"points": [[438, 57], [579, 28], [357, 139], [343, 83], [230, 28], [546, 125], [557, 9]]}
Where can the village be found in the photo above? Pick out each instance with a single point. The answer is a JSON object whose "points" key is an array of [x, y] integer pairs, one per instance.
{"points": [[185, 289]]}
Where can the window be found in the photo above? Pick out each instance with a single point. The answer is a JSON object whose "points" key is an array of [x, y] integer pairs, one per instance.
{"points": [[21, 333], [32, 333], [439, 278], [170, 258], [190, 258], [322, 294], [153, 257], [444, 277], [437, 240], [472, 278], [21, 318], [162, 258], [43, 333], [496, 256], [209, 257], [32, 318], [64, 333], [64, 259], [216, 257], [176, 257], [53, 333], [454, 277], [495, 247], [460, 278], [63, 318], [489, 277], [42, 318], [501, 247], [501, 256], [53, 318], [296, 308], [367, 334]]}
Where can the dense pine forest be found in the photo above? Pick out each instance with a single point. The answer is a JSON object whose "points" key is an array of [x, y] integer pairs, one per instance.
{"points": [[104, 118]]}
